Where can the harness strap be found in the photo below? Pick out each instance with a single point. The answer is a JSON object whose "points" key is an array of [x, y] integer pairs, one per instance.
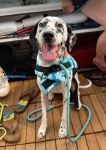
{"points": [[47, 83], [53, 68]]}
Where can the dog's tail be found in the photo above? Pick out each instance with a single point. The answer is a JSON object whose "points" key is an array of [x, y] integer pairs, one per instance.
{"points": [[86, 86]]}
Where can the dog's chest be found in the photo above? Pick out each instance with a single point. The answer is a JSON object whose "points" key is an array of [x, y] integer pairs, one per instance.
{"points": [[60, 88]]}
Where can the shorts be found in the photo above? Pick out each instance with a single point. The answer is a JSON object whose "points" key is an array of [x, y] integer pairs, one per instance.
{"points": [[79, 4]]}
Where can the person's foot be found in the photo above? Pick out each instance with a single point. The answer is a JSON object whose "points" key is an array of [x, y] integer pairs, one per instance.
{"points": [[4, 85]]}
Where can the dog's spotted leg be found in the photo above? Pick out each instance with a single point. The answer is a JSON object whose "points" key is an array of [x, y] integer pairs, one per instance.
{"points": [[42, 129], [62, 130]]}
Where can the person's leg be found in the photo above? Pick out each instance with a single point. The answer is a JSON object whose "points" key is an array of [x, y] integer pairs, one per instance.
{"points": [[96, 10]]}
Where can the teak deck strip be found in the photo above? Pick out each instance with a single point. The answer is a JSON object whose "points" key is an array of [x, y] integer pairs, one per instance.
{"points": [[94, 137]]}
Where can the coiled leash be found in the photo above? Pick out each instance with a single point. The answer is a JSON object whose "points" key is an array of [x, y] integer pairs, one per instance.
{"points": [[68, 107], [40, 115]]}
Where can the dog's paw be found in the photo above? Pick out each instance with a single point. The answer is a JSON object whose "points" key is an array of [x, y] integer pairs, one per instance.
{"points": [[50, 96], [41, 133], [62, 132]]}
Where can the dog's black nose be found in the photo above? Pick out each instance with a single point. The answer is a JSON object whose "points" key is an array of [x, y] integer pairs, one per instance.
{"points": [[48, 36]]}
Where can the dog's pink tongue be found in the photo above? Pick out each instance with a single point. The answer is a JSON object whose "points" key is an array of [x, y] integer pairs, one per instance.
{"points": [[49, 53], [48, 56]]}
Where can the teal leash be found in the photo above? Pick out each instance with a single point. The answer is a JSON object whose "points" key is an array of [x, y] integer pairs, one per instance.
{"points": [[68, 107], [36, 111]]}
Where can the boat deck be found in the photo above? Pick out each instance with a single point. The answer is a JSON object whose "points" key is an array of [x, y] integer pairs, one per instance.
{"points": [[94, 137]]}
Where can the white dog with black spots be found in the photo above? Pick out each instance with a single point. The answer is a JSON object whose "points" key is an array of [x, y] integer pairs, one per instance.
{"points": [[55, 40]]}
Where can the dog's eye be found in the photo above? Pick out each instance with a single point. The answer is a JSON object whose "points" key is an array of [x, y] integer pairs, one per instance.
{"points": [[42, 24], [60, 25]]}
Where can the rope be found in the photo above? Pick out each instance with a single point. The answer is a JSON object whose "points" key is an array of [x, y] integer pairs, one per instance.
{"points": [[68, 106], [68, 111], [1, 114]]}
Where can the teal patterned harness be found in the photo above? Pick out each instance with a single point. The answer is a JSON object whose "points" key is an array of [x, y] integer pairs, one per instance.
{"points": [[52, 77]]}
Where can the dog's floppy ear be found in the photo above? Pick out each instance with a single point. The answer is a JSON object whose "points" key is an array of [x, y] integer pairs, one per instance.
{"points": [[71, 40], [32, 39]]}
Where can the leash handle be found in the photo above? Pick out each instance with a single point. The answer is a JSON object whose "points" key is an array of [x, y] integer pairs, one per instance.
{"points": [[1, 111], [1, 114], [5, 132]]}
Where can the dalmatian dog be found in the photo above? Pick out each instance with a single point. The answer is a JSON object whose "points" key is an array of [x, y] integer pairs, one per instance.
{"points": [[55, 40]]}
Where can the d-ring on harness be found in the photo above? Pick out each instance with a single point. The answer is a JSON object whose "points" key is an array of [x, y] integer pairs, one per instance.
{"points": [[68, 106]]}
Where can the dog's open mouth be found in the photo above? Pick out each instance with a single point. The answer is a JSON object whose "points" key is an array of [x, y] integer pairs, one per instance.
{"points": [[49, 52]]}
